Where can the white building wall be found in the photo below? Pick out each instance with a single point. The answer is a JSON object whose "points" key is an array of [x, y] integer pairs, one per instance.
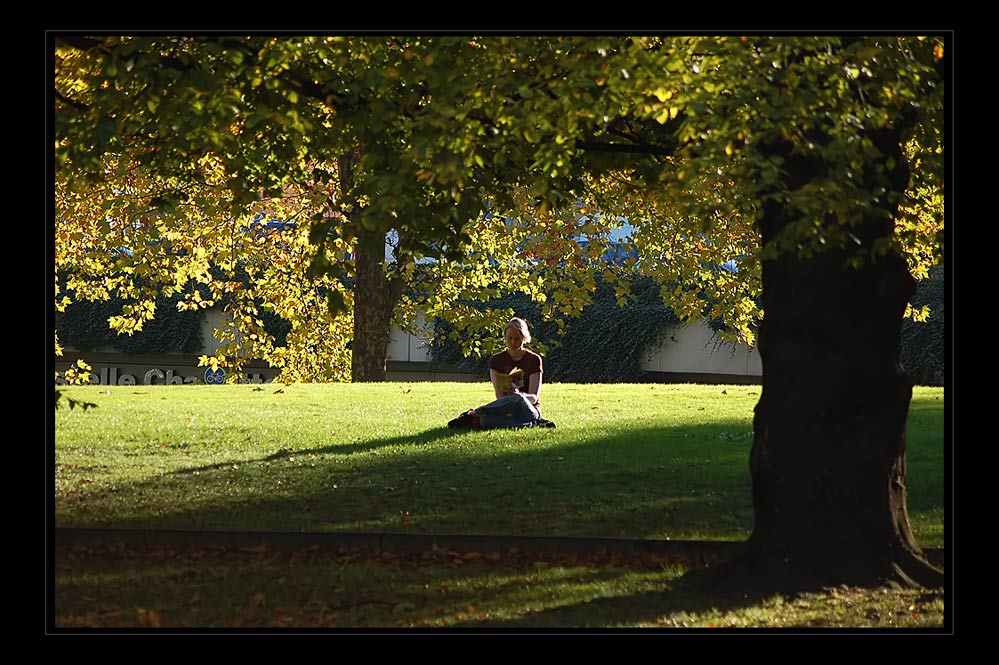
{"points": [[694, 348], [404, 347], [212, 319]]}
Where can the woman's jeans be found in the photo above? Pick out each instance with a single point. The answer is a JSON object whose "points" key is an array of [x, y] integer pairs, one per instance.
{"points": [[508, 411]]}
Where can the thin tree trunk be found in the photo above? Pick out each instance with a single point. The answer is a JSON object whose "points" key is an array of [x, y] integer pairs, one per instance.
{"points": [[375, 298], [828, 459], [375, 293]]}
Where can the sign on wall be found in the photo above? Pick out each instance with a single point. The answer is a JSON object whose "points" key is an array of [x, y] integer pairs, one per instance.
{"points": [[156, 370]]}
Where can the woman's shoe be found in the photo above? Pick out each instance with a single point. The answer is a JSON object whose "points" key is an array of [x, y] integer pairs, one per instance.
{"points": [[464, 421]]}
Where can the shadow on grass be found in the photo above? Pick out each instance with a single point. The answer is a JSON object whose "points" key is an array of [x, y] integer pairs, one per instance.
{"points": [[692, 594], [635, 482], [427, 437], [213, 588]]}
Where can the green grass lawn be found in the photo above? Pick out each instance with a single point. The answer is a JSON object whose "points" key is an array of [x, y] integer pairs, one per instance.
{"points": [[635, 461]]}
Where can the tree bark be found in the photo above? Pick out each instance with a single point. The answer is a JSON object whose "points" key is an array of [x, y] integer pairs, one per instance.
{"points": [[375, 292], [375, 298], [828, 458]]}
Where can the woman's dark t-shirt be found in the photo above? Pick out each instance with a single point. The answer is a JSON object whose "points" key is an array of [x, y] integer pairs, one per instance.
{"points": [[530, 363]]}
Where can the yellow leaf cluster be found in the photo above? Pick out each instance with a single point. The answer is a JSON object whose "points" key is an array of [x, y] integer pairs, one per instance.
{"points": [[78, 374]]}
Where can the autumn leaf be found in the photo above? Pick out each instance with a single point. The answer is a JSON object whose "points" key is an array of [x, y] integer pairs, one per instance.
{"points": [[149, 618]]}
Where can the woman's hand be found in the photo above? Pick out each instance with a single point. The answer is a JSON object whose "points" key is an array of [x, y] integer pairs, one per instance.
{"points": [[533, 399]]}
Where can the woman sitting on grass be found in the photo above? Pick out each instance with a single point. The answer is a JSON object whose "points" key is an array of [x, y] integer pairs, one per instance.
{"points": [[516, 377]]}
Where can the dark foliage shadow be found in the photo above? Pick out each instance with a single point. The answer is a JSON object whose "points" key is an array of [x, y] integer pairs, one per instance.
{"points": [[656, 480], [583, 489], [426, 437]]}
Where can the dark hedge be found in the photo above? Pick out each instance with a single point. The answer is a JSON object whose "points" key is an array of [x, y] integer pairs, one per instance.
{"points": [[84, 325], [924, 344], [604, 344]]}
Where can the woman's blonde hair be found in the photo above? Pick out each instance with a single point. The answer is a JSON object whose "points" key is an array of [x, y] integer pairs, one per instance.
{"points": [[520, 325]]}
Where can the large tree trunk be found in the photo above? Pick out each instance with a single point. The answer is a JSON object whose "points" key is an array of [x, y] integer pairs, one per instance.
{"points": [[828, 457]]}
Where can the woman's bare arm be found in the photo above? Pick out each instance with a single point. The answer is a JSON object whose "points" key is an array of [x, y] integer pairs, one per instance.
{"points": [[534, 388]]}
